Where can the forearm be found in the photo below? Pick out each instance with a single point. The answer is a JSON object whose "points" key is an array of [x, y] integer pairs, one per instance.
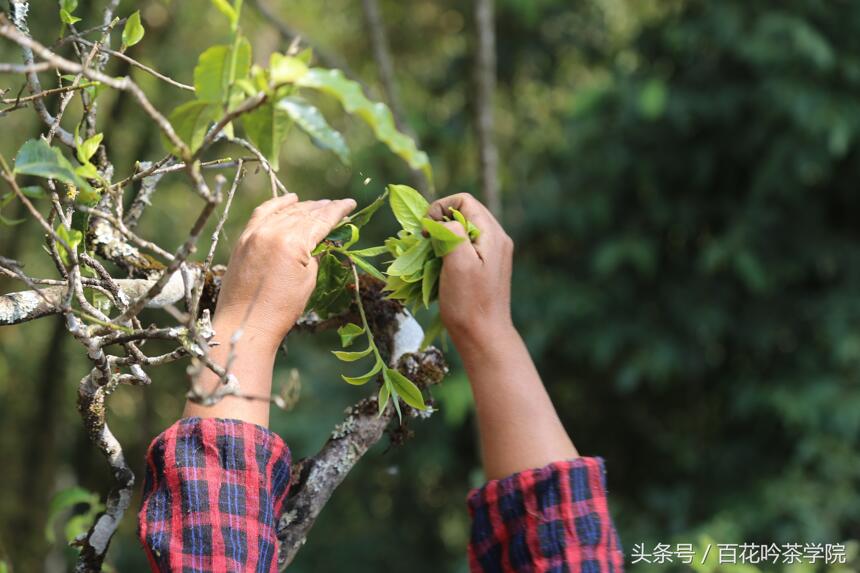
{"points": [[519, 427], [252, 363]]}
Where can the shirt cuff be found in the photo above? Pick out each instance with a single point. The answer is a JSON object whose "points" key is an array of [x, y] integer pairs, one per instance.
{"points": [[213, 492], [545, 519]]}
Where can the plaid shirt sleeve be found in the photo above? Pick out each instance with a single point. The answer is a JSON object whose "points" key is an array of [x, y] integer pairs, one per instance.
{"points": [[212, 494], [553, 519]]}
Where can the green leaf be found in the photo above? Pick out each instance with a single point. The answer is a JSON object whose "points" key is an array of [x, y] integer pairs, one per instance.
{"points": [[312, 122], [363, 217], [69, 5], [382, 398], [225, 8], [286, 69], [364, 378], [133, 31], [353, 235], [67, 17], [352, 356], [366, 266], [38, 158], [405, 388], [87, 171], [432, 268], [412, 260], [471, 230], [212, 72], [444, 240], [191, 121], [267, 128], [409, 207], [331, 294], [376, 115], [348, 333], [370, 251], [88, 148], [64, 500], [72, 238]]}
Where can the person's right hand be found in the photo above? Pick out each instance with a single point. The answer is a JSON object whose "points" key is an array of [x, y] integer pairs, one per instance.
{"points": [[475, 284], [271, 273]]}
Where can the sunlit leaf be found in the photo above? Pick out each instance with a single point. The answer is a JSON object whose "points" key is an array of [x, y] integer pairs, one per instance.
{"points": [[352, 356], [67, 18], [370, 251], [312, 122], [133, 31], [88, 148], [405, 388], [348, 333], [382, 398], [364, 378], [409, 207], [286, 69], [411, 261], [376, 115], [366, 267], [444, 240], [212, 73]]}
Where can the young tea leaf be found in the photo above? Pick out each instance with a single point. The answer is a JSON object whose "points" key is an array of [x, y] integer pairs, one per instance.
{"points": [[348, 333], [405, 388], [88, 148], [352, 356], [382, 398], [133, 31], [286, 69], [444, 240], [471, 230], [412, 261], [366, 266], [364, 378], [370, 252], [408, 206], [67, 18]]}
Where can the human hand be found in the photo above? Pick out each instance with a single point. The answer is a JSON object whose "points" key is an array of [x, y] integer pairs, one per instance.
{"points": [[272, 274], [475, 284]]}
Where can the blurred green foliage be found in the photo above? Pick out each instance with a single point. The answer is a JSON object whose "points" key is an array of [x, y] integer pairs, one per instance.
{"points": [[680, 179]]}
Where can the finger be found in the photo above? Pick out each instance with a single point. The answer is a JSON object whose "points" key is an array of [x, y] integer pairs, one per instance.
{"points": [[465, 253], [320, 221], [470, 207], [272, 205]]}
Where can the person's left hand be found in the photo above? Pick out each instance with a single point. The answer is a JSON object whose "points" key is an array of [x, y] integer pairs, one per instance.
{"points": [[272, 274]]}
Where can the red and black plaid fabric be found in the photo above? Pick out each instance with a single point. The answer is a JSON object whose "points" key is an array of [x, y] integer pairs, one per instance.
{"points": [[214, 490], [549, 520], [212, 496]]}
